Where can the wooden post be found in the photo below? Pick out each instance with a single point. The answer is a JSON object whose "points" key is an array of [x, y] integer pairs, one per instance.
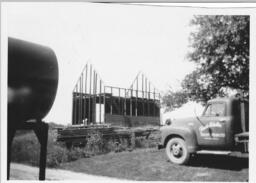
{"points": [[154, 111], [159, 97], [85, 100], [93, 87], [80, 106], [137, 87], [131, 104], [111, 107], [143, 95], [100, 101], [95, 95], [119, 102], [125, 102], [133, 140], [89, 109], [82, 98], [76, 105], [149, 114], [146, 95], [104, 101]]}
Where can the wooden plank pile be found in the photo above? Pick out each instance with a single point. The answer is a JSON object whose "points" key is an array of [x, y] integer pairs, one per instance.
{"points": [[79, 134]]}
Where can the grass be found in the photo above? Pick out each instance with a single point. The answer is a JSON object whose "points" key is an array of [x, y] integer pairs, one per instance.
{"points": [[144, 163], [152, 165], [26, 148]]}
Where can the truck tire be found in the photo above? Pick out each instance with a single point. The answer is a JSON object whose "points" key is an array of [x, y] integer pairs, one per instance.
{"points": [[177, 151]]}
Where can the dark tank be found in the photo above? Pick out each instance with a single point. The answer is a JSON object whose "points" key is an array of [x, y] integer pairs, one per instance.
{"points": [[32, 85], [32, 81]]}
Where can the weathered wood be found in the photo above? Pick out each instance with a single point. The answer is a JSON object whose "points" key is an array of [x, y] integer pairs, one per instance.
{"points": [[81, 133]]}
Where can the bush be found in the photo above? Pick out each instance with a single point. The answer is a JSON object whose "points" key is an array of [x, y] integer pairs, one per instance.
{"points": [[77, 153], [56, 155], [95, 143], [113, 145], [150, 142], [26, 147]]}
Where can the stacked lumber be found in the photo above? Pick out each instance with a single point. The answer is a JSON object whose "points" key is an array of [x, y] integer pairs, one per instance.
{"points": [[78, 132]]}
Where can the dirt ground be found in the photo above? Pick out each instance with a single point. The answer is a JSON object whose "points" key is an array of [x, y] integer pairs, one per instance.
{"points": [[26, 172]]}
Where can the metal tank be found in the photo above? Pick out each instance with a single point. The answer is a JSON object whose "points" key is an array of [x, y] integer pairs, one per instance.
{"points": [[32, 85], [32, 80]]}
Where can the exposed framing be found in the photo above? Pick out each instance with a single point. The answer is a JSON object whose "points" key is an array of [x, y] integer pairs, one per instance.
{"points": [[96, 103]]}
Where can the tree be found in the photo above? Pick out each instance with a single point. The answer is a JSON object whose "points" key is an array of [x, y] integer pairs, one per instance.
{"points": [[220, 48], [174, 100]]}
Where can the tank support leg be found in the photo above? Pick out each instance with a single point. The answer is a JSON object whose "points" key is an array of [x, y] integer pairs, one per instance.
{"points": [[11, 133], [41, 132]]}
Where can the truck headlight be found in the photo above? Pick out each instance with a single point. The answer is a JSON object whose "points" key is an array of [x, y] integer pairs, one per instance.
{"points": [[168, 122]]}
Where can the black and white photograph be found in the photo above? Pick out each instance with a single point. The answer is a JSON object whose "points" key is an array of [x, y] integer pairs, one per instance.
{"points": [[127, 91]]}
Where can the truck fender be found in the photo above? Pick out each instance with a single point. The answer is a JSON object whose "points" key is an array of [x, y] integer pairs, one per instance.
{"points": [[186, 134]]}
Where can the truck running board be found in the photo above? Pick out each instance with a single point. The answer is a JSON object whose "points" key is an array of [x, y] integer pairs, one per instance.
{"points": [[228, 153], [214, 152]]}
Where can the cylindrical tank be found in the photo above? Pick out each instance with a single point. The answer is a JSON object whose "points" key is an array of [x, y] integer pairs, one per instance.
{"points": [[32, 81]]}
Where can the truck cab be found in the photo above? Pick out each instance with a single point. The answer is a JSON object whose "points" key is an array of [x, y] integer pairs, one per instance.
{"points": [[223, 126]]}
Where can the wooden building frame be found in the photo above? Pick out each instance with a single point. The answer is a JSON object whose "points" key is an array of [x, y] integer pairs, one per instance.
{"points": [[96, 103]]}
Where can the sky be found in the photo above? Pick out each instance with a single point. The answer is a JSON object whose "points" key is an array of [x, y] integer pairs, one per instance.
{"points": [[118, 40]]}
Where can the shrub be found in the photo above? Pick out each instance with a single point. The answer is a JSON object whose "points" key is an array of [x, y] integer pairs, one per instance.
{"points": [[109, 145], [94, 143], [26, 147], [77, 153], [56, 155], [150, 142]]}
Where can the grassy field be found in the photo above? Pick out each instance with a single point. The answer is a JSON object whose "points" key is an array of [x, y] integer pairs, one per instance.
{"points": [[143, 163], [26, 148], [152, 165]]}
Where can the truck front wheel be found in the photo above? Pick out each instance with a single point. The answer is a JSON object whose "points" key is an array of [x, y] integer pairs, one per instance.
{"points": [[177, 151]]}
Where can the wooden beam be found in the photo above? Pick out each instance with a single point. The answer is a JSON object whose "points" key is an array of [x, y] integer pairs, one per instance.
{"points": [[95, 96], [131, 104], [125, 102], [89, 109], [100, 101], [111, 107], [104, 101], [85, 100]]}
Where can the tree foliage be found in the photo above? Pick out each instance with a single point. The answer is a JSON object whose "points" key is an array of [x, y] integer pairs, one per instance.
{"points": [[174, 99], [220, 49]]}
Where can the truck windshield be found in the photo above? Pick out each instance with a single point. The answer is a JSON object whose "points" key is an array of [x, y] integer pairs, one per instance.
{"points": [[215, 109]]}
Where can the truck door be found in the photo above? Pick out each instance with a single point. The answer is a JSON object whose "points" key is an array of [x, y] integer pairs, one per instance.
{"points": [[213, 132]]}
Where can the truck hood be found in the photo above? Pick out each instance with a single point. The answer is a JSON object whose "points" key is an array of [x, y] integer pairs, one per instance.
{"points": [[191, 121], [184, 121]]}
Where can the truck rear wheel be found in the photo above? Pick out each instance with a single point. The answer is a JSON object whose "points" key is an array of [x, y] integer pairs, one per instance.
{"points": [[177, 151]]}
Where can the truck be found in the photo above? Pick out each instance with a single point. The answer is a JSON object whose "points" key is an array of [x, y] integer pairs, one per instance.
{"points": [[223, 128]]}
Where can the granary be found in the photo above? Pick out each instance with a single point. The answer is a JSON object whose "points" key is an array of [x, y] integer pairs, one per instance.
{"points": [[96, 103]]}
